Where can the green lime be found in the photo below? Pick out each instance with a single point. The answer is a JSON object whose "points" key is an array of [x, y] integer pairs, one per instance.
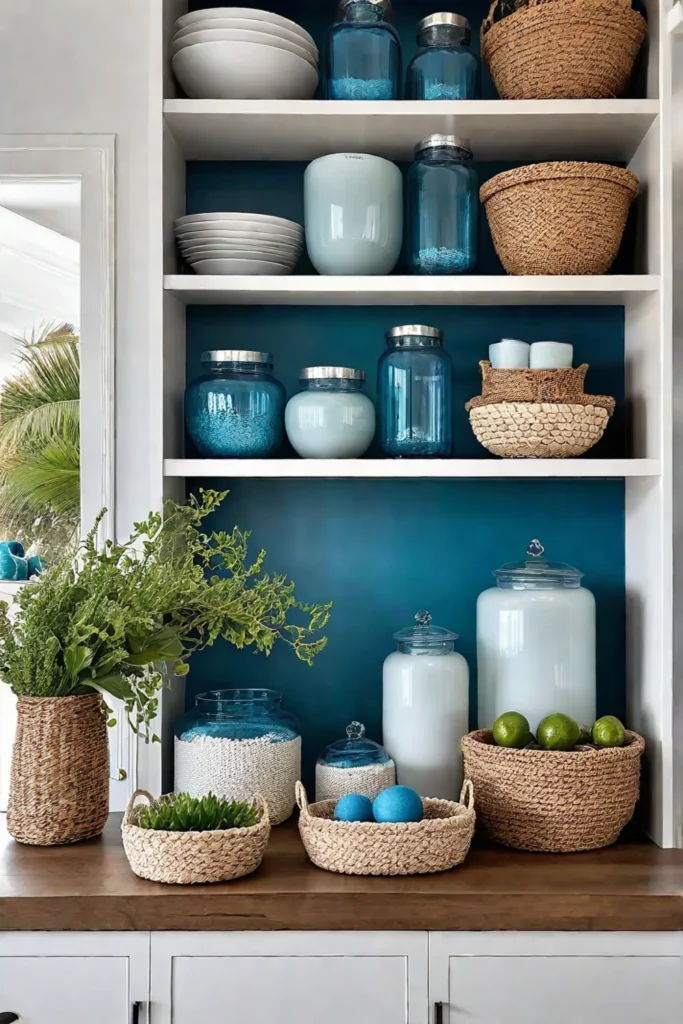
{"points": [[511, 730], [558, 732], [608, 732]]}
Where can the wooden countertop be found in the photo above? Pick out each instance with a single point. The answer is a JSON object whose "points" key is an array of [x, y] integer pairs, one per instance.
{"points": [[633, 886]]}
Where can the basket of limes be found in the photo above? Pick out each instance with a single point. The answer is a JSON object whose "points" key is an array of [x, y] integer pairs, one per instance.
{"points": [[563, 790]]}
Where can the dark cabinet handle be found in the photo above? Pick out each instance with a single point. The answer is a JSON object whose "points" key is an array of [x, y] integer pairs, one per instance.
{"points": [[9, 1018], [135, 1015], [438, 1013]]}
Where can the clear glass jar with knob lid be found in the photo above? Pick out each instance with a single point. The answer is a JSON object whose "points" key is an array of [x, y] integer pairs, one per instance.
{"points": [[536, 642], [330, 418], [426, 708], [442, 207], [354, 764], [444, 68], [415, 392], [363, 52], [236, 409]]}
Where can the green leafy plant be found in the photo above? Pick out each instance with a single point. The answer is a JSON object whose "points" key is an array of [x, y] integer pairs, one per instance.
{"points": [[180, 812], [105, 617]]}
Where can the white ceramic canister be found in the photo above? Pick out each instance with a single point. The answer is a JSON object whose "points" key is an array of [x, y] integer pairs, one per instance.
{"points": [[509, 354], [353, 212], [551, 355], [536, 642], [330, 418], [426, 709]]}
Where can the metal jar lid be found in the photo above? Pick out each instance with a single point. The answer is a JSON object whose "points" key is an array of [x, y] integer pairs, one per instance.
{"points": [[415, 331], [236, 355], [330, 373], [385, 5], [444, 142], [444, 18]]}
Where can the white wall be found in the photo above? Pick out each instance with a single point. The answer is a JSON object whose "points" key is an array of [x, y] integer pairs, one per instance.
{"points": [[87, 67]]}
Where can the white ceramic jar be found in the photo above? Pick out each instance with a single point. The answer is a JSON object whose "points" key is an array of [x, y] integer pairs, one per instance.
{"points": [[330, 418], [536, 642], [426, 709]]}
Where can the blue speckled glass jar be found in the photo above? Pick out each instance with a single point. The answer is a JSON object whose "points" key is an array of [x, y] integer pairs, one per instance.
{"points": [[415, 386], [236, 409], [442, 208], [237, 743], [363, 52], [444, 67]]}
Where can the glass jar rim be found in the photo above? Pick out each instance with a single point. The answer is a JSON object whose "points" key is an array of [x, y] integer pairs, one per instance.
{"points": [[330, 373], [384, 5], [239, 696], [429, 336], [237, 355], [442, 18], [438, 141]]}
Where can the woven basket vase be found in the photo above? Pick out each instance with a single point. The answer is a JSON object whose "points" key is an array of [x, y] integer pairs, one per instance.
{"points": [[437, 843], [183, 858], [59, 781], [564, 217], [563, 49], [553, 801]]}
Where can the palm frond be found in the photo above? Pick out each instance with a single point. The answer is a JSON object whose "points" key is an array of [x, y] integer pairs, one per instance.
{"points": [[48, 477], [43, 397]]}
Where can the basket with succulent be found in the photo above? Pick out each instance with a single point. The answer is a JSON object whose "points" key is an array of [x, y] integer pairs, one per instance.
{"points": [[100, 624], [182, 839], [563, 790]]}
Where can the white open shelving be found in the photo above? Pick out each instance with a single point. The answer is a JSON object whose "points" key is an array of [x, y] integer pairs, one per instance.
{"points": [[636, 132]]}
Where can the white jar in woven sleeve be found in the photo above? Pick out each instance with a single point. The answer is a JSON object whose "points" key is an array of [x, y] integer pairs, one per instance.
{"points": [[354, 764]]}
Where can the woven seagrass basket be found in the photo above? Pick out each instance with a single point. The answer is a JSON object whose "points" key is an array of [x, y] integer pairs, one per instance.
{"points": [[537, 414], [563, 49], [437, 843], [183, 858], [552, 801], [59, 781], [564, 217]]}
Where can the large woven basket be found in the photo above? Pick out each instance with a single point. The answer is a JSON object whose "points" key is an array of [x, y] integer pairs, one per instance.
{"points": [[563, 49], [188, 857], [564, 217], [537, 414], [59, 781], [437, 843], [553, 801]]}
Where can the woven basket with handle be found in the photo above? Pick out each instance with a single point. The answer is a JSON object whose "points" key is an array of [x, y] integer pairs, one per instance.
{"points": [[437, 843], [563, 217], [563, 49], [187, 857], [59, 781], [553, 801]]}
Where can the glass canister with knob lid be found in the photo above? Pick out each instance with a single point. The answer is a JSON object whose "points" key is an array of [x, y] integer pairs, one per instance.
{"points": [[363, 52], [426, 708], [354, 764], [444, 68], [536, 642]]}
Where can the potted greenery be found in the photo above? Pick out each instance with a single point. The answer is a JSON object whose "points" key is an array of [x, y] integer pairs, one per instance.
{"points": [[183, 839], [99, 624]]}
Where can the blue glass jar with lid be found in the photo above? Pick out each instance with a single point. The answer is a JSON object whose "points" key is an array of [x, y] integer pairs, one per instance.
{"points": [[442, 207], [444, 67], [236, 409], [354, 764], [415, 385], [237, 743], [363, 52]]}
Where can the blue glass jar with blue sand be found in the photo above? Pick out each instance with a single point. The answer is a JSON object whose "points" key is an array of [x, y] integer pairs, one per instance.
{"points": [[237, 743], [415, 386], [355, 764], [236, 409], [442, 208], [444, 67], [363, 52]]}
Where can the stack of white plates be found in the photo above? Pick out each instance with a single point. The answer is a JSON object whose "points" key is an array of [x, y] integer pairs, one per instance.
{"points": [[239, 243], [240, 53]]}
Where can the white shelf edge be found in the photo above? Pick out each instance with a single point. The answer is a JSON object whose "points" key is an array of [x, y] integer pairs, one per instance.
{"points": [[408, 290], [393, 469], [403, 108]]}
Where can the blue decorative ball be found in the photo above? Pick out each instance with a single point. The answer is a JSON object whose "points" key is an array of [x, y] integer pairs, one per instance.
{"points": [[398, 803], [353, 807]]}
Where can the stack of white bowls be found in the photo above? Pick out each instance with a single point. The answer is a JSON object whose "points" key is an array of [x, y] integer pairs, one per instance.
{"points": [[240, 53], [239, 243]]}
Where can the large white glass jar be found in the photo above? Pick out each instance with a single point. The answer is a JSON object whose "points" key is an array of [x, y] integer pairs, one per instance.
{"points": [[426, 709], [536, 642]]}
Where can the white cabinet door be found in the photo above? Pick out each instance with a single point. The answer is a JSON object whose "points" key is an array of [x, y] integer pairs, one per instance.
{"points": [[59, 978], [290, 978], [608, 980]]}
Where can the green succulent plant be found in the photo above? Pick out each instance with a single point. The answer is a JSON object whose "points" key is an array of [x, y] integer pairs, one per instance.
{"points": [[180, 812]]}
